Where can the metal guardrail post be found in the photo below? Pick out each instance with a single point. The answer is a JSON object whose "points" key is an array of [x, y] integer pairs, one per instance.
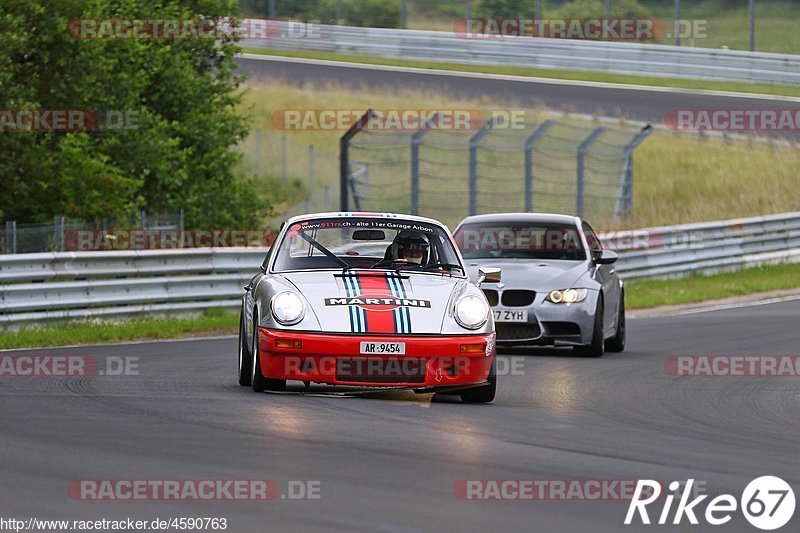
{"points": [[416, 141], [474, 144], [581, 174], [624, 201], [344, 157], [529, 142]]}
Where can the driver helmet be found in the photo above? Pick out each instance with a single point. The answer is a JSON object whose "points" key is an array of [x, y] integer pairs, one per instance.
{"points": [[411, 246]]}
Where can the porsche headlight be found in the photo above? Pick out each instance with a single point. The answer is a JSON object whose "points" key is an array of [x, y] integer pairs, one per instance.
{"points": [[288, 308], [567, 296], [471, 312]]}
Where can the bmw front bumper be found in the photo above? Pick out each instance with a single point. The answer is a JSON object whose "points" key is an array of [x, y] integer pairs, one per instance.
{"points": [[549, 324]]}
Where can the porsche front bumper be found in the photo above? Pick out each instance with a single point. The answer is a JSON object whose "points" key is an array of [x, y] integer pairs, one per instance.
{"points": [[430, 362]]}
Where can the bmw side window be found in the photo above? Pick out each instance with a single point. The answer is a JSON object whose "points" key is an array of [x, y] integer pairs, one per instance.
{"points": [[591, 237]]}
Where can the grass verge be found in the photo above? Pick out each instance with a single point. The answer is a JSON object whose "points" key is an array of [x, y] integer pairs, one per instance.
{"points": [[575, 75], [643, 294], [215, 321]]}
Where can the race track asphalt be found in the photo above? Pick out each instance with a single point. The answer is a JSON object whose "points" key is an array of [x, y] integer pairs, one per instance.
{"points": [[629, 103], [389, 462]]}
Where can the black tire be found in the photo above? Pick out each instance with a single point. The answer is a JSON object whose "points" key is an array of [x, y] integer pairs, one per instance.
{"points": [[597, 346], [244, 356], [617, 342], [483, 394], [259, 382]]}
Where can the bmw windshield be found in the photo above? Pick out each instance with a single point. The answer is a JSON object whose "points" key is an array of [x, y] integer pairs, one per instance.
{"points": [[366, 243], [540, 240]]}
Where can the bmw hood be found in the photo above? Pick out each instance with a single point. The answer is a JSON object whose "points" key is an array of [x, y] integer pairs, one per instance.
{"points": [[376, 302], [535, 274]]}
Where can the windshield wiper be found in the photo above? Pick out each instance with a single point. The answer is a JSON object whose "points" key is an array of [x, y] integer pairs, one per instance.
{"points": [[325, 251], [446, 266]]}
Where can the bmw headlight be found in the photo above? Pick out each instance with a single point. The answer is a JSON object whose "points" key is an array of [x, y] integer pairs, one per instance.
{"points": [[567, 296], [288, 308], [471, 312]]}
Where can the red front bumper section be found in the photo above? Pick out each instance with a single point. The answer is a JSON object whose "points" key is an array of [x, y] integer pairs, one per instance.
{"points": [[429, 362]]}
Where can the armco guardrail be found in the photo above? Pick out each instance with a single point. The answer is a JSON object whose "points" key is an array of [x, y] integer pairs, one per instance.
{"points": [[707, 247], [60, 285], [537, 52], [37, 287]]}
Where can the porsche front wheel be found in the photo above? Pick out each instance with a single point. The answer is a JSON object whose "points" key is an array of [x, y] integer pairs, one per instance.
{"points": [[483, 394], [244, 356]]}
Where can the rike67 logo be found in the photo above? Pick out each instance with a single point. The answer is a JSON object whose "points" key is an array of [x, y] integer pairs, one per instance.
{"points": [[767, 503]]}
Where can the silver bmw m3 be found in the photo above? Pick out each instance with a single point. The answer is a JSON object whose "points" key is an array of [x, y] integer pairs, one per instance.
{"points": [[559, 286]]}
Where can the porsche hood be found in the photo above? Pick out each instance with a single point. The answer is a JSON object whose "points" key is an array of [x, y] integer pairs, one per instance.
{"points": [[375, 301]]}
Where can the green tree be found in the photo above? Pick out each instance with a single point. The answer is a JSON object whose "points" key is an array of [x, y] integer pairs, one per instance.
{"points": [[183, 94]]}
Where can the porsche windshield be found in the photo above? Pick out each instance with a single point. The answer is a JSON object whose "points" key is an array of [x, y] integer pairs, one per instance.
{"points": [[366, 243], [520, 241]]}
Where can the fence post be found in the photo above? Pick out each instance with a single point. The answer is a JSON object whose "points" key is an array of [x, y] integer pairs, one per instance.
{"points": [[311, 165], [62, 233], [474, 144], [11, 236], [182, 220], [284, 158], [676, 25], [582, 148], [55, 233], [529, 142], [625, 193], [144, 220], [416, 141], [258, 151], [344, 157]]}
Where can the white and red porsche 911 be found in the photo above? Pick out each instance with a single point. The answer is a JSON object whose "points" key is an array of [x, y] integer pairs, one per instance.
{"points": [[368, 300]]}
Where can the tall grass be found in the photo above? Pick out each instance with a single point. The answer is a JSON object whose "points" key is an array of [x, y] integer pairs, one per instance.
{"points": [[678, 178]]}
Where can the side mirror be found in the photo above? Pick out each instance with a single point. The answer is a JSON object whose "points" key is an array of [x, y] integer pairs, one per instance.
{"points": [[607, 257], [489, 275]]}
